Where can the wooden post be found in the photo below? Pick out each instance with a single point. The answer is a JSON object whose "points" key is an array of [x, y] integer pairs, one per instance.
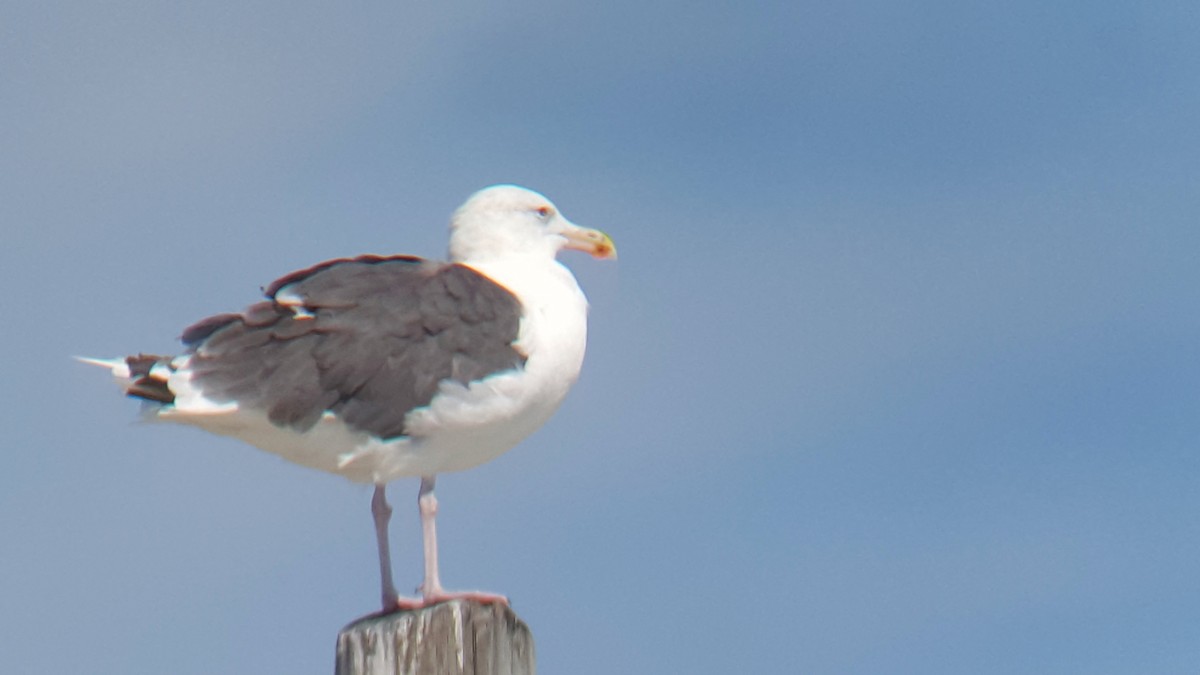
{"points": [[459, 637]]}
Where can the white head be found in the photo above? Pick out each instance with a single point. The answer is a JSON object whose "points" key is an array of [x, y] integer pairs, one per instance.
{"points": [[506, 221]]}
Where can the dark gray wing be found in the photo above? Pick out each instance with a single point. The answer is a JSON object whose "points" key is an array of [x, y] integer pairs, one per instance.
{"points": [[366, 338]]}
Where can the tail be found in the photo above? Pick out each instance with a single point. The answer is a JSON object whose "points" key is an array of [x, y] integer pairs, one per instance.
{"points": [[143, 376]]}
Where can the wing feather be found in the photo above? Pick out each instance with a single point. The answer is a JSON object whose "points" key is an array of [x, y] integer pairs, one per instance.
{"points": [[367, 338]]}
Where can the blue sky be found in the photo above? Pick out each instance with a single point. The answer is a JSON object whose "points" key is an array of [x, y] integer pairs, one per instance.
{"points": [[897, 371]]}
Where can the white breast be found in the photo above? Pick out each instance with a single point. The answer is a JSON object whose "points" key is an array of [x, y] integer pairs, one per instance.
{"points": [[468, 425]]}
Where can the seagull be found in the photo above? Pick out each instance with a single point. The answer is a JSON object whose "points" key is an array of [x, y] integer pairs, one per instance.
{"points": [[381, 367]]}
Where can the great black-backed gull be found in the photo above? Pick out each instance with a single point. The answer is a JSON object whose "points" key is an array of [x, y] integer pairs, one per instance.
{"points": [[379, 367]]}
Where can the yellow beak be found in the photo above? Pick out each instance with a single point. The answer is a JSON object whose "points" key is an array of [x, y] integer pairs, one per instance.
{"points": [[593, 242]]}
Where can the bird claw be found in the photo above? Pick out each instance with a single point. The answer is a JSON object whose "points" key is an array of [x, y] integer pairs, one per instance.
{"points": [[438, 596], [481, 597]]}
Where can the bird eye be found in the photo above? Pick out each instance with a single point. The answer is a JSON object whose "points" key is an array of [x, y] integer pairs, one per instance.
{"points": [[544, 212]]}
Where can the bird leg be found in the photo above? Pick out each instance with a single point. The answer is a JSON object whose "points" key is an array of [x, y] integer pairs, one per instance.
{"points": [[431, 589], [428, 506], [383, 513]]}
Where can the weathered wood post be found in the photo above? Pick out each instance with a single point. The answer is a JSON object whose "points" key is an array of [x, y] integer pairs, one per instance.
{"points": [[460, 637]]}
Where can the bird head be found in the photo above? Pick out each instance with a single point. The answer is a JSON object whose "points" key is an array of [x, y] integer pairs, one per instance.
{"points": [[509, 221]]}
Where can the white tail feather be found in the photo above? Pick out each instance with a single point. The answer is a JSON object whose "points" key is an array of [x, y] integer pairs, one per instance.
{"points": [[118, 367]]}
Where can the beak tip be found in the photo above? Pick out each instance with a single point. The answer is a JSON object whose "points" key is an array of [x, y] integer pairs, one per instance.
{"points": [[605, 250]]}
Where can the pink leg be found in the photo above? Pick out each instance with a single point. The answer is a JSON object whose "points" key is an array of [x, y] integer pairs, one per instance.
{"points": [[428, 506], [431, 589], [383, 513]]}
